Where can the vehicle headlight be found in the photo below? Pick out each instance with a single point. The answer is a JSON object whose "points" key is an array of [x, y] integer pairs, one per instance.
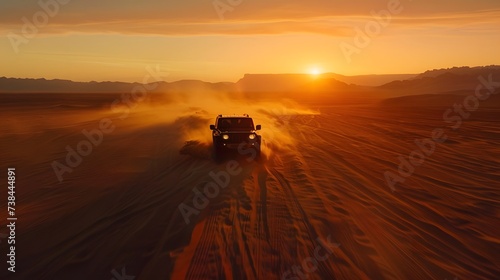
{"points": [[225, 136], [251, 136]]}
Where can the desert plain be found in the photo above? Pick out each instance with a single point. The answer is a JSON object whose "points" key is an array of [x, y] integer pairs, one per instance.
{"points": [[361, 183]]}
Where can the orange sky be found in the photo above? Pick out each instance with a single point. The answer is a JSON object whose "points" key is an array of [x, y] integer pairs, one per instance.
{"points": [[117, 39]]}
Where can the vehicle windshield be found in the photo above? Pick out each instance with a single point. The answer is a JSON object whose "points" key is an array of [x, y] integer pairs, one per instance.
{"points": [[235, 124]]}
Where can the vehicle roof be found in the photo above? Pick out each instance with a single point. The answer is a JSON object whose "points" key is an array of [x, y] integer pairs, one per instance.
{"points": [[234, 116]]}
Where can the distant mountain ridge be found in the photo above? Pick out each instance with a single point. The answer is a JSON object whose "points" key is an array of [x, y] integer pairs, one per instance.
{"points": [[464, 70], [361, 80], [433, 81], [444, 80], [13, 85], [288, 83], [373, 80]]}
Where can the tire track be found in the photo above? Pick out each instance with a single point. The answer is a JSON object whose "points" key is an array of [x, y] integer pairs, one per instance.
{"points": [[307, 229]]}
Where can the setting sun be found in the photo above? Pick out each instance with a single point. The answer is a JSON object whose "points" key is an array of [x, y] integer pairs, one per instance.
{"points": [[315, 71]]}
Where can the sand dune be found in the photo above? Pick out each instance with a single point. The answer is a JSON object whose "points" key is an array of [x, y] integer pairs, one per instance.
{"points": [[320, 184]]}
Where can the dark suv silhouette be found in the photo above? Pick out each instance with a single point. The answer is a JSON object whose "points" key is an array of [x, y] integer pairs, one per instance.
{"points": [[235, 132]]}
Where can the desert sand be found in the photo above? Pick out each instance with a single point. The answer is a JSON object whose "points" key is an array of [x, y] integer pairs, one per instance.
{"points": [[319, 184]]}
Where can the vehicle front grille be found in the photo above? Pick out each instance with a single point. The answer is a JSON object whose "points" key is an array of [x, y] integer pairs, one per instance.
{"points": [[237, 137]]}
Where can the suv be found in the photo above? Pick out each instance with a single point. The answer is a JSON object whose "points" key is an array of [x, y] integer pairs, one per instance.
{"points": [[235, 132]]}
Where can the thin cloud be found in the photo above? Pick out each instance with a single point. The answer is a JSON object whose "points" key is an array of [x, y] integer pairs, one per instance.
{"points": [[290, 17]]}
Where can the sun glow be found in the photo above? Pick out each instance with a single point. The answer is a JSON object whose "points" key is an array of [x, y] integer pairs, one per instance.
{"points": [[315, 71]]}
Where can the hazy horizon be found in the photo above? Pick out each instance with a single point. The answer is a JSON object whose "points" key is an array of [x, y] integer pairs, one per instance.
{"points": [[216, 81], [313, 75]]}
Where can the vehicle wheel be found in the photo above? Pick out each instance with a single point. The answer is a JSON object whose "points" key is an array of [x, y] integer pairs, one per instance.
{"points": [[218, 153], [257, 150]]}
